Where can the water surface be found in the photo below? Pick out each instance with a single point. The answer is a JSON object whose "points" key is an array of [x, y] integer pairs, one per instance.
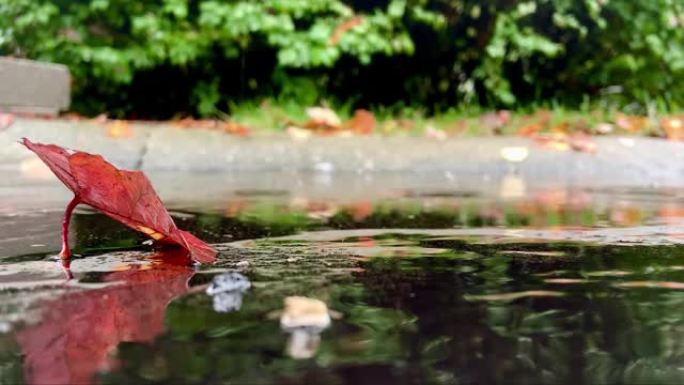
{"points": [[424, 286]]}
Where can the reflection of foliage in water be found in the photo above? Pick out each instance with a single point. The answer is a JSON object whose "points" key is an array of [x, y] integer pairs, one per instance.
{"points": [[411, 320]]}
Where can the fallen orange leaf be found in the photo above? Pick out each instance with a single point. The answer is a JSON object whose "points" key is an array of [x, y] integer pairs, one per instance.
{"points": [[673, 127]]}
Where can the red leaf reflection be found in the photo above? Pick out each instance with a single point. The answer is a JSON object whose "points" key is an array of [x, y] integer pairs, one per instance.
{"points": [[78, 331]]}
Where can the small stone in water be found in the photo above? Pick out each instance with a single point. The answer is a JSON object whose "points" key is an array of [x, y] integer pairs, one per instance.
{"points": [[303, 312], [232, 281]]}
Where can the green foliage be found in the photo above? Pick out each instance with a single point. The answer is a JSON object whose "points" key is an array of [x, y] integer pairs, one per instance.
{"points": [[196, 56]]}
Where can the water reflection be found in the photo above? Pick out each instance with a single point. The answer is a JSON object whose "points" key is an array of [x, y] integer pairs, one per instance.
{"points": [[78, 331], [433, 305]]}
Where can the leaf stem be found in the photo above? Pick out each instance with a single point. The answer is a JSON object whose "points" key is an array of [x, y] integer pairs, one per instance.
{"points": [[66, 252]]}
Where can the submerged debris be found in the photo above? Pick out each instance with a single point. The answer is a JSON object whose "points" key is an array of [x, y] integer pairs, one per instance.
{"points": [[304, 318], [226, 291]]}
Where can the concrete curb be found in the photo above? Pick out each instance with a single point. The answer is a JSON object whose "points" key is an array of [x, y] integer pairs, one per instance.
{"points": [[634, 161]]}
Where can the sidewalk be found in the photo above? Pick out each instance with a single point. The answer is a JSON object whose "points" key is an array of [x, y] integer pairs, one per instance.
{"points": [[158, 147]]}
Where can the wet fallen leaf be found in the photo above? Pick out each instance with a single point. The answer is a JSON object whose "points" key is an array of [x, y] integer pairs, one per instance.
{"points": [[126, 196]]}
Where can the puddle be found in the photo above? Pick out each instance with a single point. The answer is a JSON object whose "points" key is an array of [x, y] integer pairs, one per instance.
{"points": [[413, 287]]}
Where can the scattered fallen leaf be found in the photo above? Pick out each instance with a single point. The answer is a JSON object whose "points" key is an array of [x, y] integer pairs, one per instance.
{"points": [[578, 141], [561, 128], [234, 128], [6, 120], [322, 118], [457, 128], [100, 119], [227, 126], [543, 116], [631, 123], [126, 196], [582, 142], [298, 134], [530, 129], [118, 129], [434, 133], [362, 123], [673, 127], [494, 121]]}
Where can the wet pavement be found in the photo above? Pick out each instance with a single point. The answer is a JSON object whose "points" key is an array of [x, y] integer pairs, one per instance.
{"points": [[345, 280]]}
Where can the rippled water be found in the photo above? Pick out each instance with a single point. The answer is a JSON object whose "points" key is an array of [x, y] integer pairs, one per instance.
{"points": [[417, 287]]}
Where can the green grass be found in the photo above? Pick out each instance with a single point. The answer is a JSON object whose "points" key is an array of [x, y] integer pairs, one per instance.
{"points": [[275, 115]]}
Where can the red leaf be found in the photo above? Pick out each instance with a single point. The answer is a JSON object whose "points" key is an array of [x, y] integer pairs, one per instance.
{"points": [[126, 196]]}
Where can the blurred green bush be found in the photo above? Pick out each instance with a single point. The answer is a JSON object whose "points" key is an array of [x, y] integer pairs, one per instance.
{"points": [[154, 59]]}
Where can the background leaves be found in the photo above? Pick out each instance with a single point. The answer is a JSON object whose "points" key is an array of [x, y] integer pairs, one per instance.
{"points": [[436, 53]]}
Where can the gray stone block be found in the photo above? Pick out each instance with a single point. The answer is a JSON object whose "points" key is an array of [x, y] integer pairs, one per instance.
{"points": [[28, 86]]}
